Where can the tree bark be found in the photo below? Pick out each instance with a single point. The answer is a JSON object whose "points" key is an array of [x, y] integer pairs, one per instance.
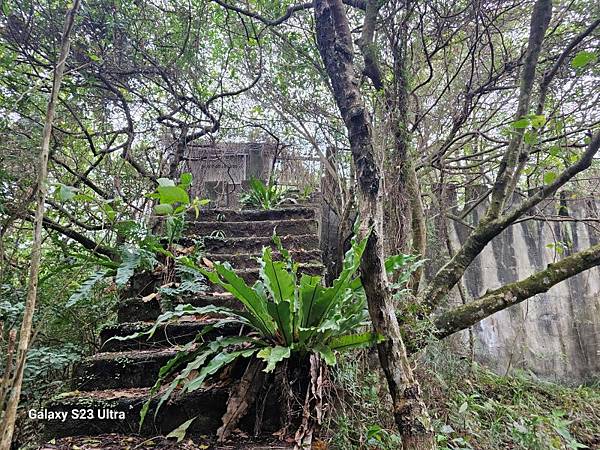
{"points": [[335, 45], [10, 414]]}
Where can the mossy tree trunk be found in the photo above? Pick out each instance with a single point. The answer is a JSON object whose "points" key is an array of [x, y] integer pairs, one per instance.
{"points": [[335, 45]]}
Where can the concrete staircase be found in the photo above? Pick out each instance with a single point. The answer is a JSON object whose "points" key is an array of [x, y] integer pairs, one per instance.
{"points": [[114, 384]]}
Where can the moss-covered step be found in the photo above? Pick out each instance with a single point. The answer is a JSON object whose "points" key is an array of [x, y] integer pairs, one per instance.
{"points": [[254, 245], [138, 309], [250, 261], [252, 228], [120, 370], [236, 215], [176, 333], [118, 411]]}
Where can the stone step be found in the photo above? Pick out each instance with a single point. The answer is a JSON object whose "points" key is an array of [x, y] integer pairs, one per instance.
{"points": [[236, 215], [137, 310], [142, 284], [118, 411], [248, 261], [121, 370], [264, 228], [254, 245], [176, 333]]}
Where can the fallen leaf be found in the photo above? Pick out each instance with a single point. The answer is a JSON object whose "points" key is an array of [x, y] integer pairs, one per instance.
{"points": [[179, 432]]}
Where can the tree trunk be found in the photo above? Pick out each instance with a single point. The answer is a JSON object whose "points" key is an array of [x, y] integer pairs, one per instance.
{"points": [[335, 45], [10, 414]]}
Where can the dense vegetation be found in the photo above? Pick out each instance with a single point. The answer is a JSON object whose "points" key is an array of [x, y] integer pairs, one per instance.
{"points": [[417, 113]]}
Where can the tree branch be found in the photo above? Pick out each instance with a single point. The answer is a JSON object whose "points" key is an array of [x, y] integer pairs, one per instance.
{"points": [[540, 19], [447, 277], [359, 4], [86, 242], [462, 317]]}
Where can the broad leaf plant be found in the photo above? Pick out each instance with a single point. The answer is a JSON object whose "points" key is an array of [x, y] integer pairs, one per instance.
{"points": [[287, 314]]}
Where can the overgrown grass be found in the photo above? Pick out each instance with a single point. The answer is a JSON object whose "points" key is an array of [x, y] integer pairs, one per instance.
{"points": [[471, 407]]}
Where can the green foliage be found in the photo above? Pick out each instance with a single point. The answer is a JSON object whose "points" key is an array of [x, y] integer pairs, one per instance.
{"points": [[288, 317], [266, 196], [179, 432], [85, 290], [582, 59], [549, 177], [536, 121], [402, 266], [144, 249], [174, 204], [47, 363], [191, 281], [474, 408], [471, 407], [361, 418], [130, 260]]}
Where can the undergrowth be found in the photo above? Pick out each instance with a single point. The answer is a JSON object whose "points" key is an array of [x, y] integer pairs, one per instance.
{"points": [[471, 407]]}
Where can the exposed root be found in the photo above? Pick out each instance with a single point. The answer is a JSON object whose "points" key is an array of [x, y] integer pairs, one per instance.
{"points": [[313, 409], [242, 397]]}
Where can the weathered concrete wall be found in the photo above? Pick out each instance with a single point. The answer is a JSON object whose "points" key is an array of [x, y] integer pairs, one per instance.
{"points": [[555, 335]]}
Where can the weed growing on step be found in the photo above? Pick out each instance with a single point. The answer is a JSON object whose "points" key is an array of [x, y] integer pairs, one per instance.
{"points": [[266, 196], [294, 326], [294, 321]]}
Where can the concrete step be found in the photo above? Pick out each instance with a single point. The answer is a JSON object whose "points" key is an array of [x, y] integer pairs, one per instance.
{"points": [[136, 309], [254, 245], [264, 228], [236, 215], [118, 411], [121, 370], [176, 333], [142, 284], [247, 261]]}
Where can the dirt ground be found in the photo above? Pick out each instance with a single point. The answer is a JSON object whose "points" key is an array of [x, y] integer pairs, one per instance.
{"points": [[122, 442]]}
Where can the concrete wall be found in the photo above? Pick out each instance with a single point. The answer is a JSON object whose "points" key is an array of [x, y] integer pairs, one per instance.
{"points": [[555, 335]]}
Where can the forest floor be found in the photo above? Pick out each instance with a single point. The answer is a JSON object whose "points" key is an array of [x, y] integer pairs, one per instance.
{"points": [[471, 407], [122, 442]]}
